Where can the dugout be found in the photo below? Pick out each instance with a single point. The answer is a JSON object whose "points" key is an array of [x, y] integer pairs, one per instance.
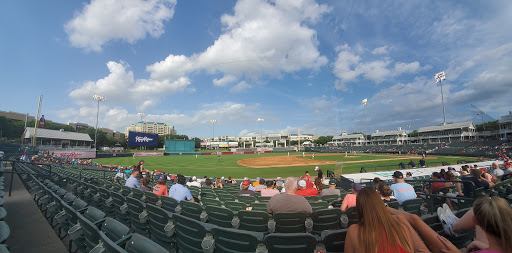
{"points": [[180, 146]]}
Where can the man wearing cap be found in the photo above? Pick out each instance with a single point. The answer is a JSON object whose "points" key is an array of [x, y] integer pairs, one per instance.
{"points": [[401, 190], [497, 171], [331, 190], [422, 162], [320, 173], [194, 182], [251, 188], [245, 189], [161, 188], [279, 182], [289, 201], [305, 191], [179, 192], [350, 199]]}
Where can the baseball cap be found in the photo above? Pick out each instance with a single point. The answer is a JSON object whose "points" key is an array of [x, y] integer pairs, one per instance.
{"points": [[278, 178], [246, 178], [222, 178], [316, 168], [357, 187], [194, 178], [246, 182], [302, 183], [398, 174], [483, 170], [450, 168], [262, 181], [332, 181]]}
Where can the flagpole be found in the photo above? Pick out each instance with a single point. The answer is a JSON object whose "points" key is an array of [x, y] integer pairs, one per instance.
{"points": [[34, 138]]}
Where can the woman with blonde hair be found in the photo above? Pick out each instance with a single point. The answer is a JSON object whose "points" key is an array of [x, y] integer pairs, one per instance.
{"points": [[218, 183], [378, 231]]}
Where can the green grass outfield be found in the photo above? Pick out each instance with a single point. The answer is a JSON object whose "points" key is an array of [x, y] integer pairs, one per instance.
{"points": [[207, 165]]}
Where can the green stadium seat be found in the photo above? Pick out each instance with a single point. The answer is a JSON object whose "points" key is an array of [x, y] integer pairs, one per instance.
{"points": [[152, 198], [312, 198], [289, 222], [191, 210], [138, 215], [138, 194], [226, 197], [120, 207], [246, 199], [169, 204], [290, 243], [190, 234], [3, 213], [235, 206], [210, 202], [352, 216], [5, 231], [326, 219], [220, 216], [319, 205], [256, 221], [412, 206], [259, 207], [334, 240], [263, 199], [394, 205], [330, 198], [141, 244], [115, 230], [90, 232], [161, 225], [234, 240]]}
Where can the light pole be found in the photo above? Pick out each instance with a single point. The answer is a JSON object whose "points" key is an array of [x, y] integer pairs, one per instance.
{"points": [[213, 121], [440, 77], [261, 133], [97, 98], [141, 114], [364, 102]]}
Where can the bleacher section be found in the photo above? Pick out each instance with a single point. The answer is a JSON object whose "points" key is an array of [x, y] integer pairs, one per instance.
{"points": [[92, 213]]}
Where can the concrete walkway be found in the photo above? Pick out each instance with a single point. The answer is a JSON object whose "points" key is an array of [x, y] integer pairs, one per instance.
{"points": [[30, 231]]}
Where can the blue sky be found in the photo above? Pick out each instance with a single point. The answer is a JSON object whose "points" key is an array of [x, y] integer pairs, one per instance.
{"points": [[295, 63]]}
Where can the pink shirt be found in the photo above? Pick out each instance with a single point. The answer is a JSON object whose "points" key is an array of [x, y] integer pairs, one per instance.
{"points": [[269, 193], [350, 200]]}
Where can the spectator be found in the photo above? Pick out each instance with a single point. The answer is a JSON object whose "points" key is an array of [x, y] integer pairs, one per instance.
{"points": [[308, 176], [376, 182], [492, 216], [408, 176], [496, 171], [144, 187], [401, 190], [304, 190], [413, 165], [452, 171], [465, 170], [436, 185], [350, 199], [422, 162], [386, 194], [320, 173], [194, 182], [173, 177], [140, 166], [208, 183], [270, 191], [230, 181], [257, 182], [161, 187], [251, 188], [402, 165], [279, 182], [133, 181], [245, 189], [377, 230], [218, 183], [478, 181], [309, 184], [261, 185], [120, 175], [319, 186], [488, 176], [289, 201], [331, 190], [179, 192]]}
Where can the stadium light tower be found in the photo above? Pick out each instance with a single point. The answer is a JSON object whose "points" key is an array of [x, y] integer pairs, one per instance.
{"points": [[213, 121], [97, 98], [364, 102], [261, 133], [141, 114], [440, 77]]}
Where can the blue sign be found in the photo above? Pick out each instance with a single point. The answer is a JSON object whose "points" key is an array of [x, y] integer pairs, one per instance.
{"points": [[142, 139]]}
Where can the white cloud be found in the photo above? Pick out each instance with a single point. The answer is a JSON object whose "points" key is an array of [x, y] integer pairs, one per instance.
{"points": [[102, 21], [381, 50], [240, 87], [260, 39]]}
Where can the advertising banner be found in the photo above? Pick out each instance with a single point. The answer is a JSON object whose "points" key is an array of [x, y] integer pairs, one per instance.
{"points": [[136, 139], [73, 154], [237, 153], [148, 154]]}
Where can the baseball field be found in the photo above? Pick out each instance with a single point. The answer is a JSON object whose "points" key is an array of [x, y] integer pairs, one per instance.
{"points": [[268, 165]]}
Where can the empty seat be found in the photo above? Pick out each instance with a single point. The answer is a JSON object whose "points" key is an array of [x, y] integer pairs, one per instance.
{"points": [[412, 206], [234, 240], [190, 234], [191, 210], [5, 231], [256, 221], [235, 206], [259, 207], [161, 225], [169, 204], [152, 198], [220, 216], [246, 199], [334, 240], [288, 222], [141, 244], [120, 207], [318, 205], [138, 215], [352, 215], [326, 219], [290, 243], [210, 202]]}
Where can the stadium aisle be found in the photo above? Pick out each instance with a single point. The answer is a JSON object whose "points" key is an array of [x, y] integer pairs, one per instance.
{"points": [[30, 231]]}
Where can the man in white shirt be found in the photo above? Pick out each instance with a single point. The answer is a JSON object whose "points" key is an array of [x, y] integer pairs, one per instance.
{"points": [[194, 182]]}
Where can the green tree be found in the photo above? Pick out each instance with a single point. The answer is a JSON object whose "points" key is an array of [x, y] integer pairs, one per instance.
{"points": [[197, 142], [322, 140], [489, 126], [414, 133]]}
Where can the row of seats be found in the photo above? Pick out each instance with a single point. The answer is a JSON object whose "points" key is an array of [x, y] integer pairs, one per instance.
{"points": [[5, 230]]}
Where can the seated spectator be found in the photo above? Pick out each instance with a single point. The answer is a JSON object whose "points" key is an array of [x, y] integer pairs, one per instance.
{"points": [[179, 192], [145, 183], [309, 184], [331, 190], [279, 182], [173, 177], [194, 182], [377, 230], [492, 216], [305, 191], [413, 165], [161, 187], [120, 175], [245, 189], [270, 191], [386, 194], [422, 162], [251, 188], [465, 170], [133, 180], [319, 186], [230, 181], [496, 171], [289, 201], [408, 176], [453, 171], [208, 183], [261, 185], [308, 177], [436, 176], [257, 182], [478, 181], [488, 176], [218, 183], [401, 190], [376, 182], [350, 199]]}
